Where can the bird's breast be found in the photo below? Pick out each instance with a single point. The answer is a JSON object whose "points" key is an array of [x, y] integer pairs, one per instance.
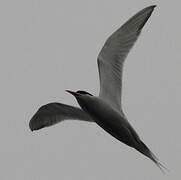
{"points": [[102, 112], [110, 120]]}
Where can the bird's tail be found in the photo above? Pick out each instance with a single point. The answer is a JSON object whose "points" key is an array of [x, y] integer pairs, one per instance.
{"points": [[142, 148]]}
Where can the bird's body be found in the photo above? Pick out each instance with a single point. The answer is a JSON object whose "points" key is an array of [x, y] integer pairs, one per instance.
{"points": [[105, 109], [111, 120], [115, 123]]}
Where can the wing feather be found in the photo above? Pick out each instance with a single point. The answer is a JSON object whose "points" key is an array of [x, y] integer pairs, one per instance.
{"points": [[115, 50], [54, 113]]}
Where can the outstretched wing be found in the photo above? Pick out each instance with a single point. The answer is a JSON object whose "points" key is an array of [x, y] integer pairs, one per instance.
{"points": [[115, 50], [53, 113]]}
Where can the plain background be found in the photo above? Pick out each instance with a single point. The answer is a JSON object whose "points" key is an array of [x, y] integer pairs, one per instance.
{"points": [[47, 47]]}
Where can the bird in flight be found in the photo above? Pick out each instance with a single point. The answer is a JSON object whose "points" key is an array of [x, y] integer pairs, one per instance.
{"points": [[104, 109]]}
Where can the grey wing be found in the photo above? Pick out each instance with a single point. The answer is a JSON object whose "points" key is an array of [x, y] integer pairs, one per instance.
{"points": [[53, 113], [115, 50]]}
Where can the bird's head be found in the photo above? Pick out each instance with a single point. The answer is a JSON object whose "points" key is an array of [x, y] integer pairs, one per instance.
{"points": [[83, 98], [79, 93]]}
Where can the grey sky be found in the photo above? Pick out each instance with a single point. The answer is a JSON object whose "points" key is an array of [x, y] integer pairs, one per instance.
{"points": [[49, 46]]}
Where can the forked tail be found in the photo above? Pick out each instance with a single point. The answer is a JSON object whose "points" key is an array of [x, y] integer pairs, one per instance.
{"points": [[142, 148]]}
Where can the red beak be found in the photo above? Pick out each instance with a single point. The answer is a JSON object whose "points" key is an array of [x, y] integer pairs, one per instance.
{"points": [[73, 93]]}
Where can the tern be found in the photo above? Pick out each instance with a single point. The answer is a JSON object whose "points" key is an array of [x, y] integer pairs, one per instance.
{"points": [[104, 109]]}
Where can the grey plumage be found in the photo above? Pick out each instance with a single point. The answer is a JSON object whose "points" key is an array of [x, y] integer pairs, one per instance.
{"points": [[54, 113], [106, 109], [113, 54]]}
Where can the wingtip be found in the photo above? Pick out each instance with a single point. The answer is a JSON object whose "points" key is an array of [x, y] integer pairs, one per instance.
{"points": [[35, 125], [30, 126], [151, 7]]}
